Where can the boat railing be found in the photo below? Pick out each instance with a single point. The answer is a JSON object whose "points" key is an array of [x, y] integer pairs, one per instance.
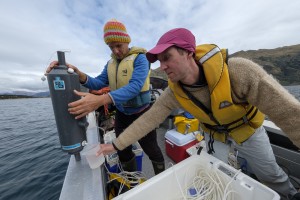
{"points": [[81, 182]]}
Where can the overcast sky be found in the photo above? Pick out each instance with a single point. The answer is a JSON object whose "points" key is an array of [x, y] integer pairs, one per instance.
{"points": [[31, 31]]}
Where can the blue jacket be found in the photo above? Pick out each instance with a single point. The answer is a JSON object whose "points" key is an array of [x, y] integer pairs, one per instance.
{"points": [[123, 94]]}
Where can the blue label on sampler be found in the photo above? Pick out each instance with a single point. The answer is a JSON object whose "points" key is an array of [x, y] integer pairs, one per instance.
{"points": [[59, 84], [74, 146]]}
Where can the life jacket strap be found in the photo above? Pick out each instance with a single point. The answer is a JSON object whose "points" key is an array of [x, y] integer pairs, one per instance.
{"points": [[224, 128], [211, 143]]}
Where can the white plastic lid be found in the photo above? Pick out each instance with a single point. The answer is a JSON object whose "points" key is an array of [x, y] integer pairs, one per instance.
{"points": [[178, 138]]}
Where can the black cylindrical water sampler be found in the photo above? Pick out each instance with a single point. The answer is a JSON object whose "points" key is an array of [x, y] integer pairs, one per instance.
{"points": [[72, 132]]}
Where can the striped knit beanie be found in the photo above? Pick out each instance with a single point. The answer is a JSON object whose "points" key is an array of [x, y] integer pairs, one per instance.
{"points": [[115, 31]]}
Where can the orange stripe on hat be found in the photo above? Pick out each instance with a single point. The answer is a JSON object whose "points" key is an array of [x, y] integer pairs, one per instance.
{"points": [[115, 31]]}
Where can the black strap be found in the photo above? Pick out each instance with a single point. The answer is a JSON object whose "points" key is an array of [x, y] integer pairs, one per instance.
{"points": [[217, 128], [245, 121], [211, 143], [224, 127], [199, 104], [199, 150], [116, 148], [244, 118]]}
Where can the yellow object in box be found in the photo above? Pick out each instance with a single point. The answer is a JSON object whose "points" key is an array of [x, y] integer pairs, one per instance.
{"points": [[185, 125]]}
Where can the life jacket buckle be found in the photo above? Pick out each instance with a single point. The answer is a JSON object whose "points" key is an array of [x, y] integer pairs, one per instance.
{"points": [[222, 129], [245, 120], [217, 128]]}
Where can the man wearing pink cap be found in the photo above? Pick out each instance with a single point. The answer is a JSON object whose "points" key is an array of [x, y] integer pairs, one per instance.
{"points": [[127, 74], [228, 96]]}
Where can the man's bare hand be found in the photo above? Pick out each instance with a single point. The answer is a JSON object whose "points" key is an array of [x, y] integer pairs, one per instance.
{"points": [[82, 76], [87, 104], [51, 66], [105, 149]]}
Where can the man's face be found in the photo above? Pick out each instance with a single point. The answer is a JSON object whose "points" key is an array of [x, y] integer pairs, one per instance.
{"points": [[174, 63], [119, 49]]}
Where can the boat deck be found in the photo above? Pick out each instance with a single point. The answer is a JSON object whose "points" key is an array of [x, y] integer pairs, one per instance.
{"points": [[83, 183]]}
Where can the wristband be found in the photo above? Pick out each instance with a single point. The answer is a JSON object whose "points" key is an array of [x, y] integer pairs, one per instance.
{"points": [[115, 147]]}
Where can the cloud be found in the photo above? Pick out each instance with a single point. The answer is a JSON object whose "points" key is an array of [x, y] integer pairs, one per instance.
{"points": [[32, 31]]}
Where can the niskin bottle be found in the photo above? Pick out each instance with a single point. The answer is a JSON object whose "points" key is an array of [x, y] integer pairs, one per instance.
{"points": [[62, 83]]}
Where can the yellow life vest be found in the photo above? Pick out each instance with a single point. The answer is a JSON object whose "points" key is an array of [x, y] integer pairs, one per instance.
{"points": [[223, 117], [119, 75]]}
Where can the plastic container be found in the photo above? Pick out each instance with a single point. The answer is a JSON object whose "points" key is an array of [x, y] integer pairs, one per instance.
{"points": [[90, 153], [109, 137], [113, 159], [186, 125], [177, 144], [172, 183], [188, 115]]}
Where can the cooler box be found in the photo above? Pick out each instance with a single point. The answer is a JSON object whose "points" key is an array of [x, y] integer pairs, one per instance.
{"points": [[177, 144], [185, 125], [177, 182], [112, 160]]}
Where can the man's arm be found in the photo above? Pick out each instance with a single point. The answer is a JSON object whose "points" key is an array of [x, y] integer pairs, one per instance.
{"points": [[151, 119], [88, 103], [98, 82], [249, 81]]}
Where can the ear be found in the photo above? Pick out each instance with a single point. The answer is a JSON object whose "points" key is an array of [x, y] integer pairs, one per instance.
{"points": [[190, 54]]}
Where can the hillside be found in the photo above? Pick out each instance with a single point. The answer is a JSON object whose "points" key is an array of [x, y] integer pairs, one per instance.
{"points": [[20, 95], [283, 63], [11, 96]]}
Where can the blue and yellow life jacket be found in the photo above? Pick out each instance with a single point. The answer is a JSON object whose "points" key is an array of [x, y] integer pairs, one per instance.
{"points": [[119, 75], [223, 117]]}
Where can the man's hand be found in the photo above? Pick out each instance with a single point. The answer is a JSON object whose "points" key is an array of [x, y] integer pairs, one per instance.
{"points": [[82, 76], [51, 66], [105, 149], [87, 104]]}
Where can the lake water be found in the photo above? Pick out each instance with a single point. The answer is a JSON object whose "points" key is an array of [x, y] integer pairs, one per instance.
{"points": [[32, 165]]}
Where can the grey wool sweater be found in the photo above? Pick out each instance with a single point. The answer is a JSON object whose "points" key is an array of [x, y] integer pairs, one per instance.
{"points": [[249, 83]]}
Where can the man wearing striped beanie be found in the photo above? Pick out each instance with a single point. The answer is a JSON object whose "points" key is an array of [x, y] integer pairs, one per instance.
{"points": [[115, 31], [127, 74]]}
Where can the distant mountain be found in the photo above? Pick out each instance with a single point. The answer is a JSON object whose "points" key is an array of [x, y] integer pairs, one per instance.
{"points": [[283, 63], [158, 73], [32, 94], [21, 94], [42, 94], [12, 96]]}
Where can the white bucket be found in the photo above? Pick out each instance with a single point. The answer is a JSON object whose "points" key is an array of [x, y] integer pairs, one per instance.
{"points": [[173, 183]]}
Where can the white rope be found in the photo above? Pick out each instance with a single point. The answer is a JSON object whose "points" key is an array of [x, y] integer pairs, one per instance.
{"points": [[207, 184], [132, 178]]}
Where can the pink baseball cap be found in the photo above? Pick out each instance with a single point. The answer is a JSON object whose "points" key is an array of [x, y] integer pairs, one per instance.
{"points": [[179, 37]]}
